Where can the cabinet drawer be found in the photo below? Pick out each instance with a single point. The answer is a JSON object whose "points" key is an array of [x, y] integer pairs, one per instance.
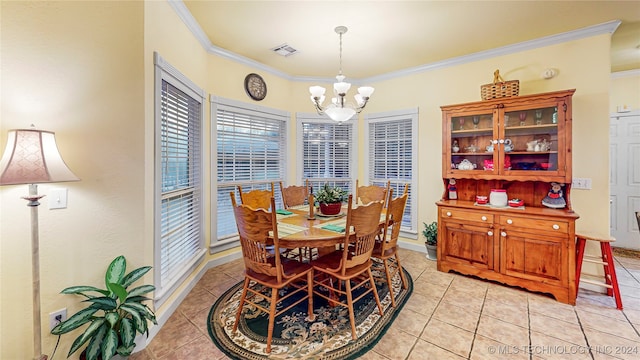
{"points": [[466, 215], [533, 224]]}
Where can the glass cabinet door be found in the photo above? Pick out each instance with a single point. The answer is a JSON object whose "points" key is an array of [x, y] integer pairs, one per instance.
{"points": [[530, 140], [471, 142]]}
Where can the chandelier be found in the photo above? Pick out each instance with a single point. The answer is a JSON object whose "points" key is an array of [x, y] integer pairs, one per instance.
{"points": [[339, 109]]}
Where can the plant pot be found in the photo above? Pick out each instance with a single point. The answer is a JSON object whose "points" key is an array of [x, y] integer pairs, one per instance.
{"points": [[330, 209], [432, 252]]}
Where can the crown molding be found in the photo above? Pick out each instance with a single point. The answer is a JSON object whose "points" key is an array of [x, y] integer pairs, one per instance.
{"points": [[191, 23], [626, 73]]}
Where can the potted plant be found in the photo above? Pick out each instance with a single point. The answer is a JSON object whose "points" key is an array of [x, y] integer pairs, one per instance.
{"points": [[115, 315], [330, 199], [430, 233]]}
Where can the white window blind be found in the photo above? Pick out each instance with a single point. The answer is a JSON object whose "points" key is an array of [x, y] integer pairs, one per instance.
{"points": [[179, 215], [328, 152], [391, 152], [250, 152]]}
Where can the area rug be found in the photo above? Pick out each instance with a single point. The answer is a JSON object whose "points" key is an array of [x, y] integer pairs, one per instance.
{"points": [[327, 337]]}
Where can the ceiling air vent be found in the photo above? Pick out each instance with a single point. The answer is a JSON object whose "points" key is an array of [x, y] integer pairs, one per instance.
{"points": [[284, 50]]}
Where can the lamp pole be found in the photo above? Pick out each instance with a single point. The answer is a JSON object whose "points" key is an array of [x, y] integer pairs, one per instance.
{"points": [[33, 203]]}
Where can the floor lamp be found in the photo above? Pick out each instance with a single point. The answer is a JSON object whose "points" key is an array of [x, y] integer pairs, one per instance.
{"points": [[31, 157]]}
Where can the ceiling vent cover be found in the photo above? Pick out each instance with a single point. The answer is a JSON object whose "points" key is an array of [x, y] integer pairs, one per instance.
{"points": [[284, 50]]}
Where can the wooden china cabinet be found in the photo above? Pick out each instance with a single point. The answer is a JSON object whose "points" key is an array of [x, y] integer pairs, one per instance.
{"points": [[522, 145]]}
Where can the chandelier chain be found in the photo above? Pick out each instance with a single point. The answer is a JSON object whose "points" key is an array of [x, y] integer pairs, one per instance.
{"points": [[340, 54]]}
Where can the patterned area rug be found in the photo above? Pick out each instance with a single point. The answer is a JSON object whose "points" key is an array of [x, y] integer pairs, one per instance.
{"points": [[327, 337]]}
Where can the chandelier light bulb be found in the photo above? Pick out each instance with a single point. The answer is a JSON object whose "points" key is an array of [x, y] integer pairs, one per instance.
{"points": [[340, 110]]}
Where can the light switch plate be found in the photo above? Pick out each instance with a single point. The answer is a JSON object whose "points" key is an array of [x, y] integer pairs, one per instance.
{"points": [[57, 199]]}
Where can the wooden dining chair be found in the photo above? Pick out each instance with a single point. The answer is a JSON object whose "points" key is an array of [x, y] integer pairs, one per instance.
{"points": [[368, 193], [387, 249], [352, 262], [293, 195], [257, 199], [266, 272]]}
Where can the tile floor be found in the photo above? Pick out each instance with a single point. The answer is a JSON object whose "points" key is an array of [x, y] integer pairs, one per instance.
{"points": [[450, 316]]}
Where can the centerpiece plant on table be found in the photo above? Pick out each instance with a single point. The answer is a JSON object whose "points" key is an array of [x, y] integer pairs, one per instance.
{"points": [[115, 315], [330, 199]]}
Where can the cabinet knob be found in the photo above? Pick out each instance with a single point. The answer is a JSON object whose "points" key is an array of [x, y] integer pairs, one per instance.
{"points": [[495, 142], [501, 141], [484, 218], [509, 221], [448, 213], [490, 233], [556, 227], [503, 234]]}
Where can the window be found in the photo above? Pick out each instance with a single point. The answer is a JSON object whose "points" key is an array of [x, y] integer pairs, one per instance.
{"points": [[250, 150], [328, 151], [178, 216], [391, 146]]}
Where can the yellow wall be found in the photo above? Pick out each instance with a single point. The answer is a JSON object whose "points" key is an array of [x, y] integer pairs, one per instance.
{"points": [[625, 90], [85, 69]]}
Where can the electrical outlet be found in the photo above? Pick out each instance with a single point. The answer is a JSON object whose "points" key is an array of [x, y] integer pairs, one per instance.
{"points": [[581, 183], [56, 317]]}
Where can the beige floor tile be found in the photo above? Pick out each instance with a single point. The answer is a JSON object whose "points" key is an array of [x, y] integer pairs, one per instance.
{"points": [[448, 337], [421, 304], [551, 348], [606, 324], [558, 329], [513, 314], [633, 316], [396, 344], [485, 348], [605, 345], [469, 301], [196, 302], [549, 307], [200, 348], [372, 355], [426, 351], [457, 316], [177, 332], [411, 322], [439, 278], [424, 287], [504, 332]]}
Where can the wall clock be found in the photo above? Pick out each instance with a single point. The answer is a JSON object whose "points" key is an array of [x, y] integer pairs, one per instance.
{"points": [[255, 86]]}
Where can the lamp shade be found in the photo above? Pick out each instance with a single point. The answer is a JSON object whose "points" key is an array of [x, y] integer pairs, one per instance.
{"points": [[32, 157]]}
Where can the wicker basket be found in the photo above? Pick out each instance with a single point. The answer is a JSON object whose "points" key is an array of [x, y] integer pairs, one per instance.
{"points": [[499, 88]]}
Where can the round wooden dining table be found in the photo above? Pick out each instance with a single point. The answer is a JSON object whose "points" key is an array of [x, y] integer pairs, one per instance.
{"points": [[296, 230]]}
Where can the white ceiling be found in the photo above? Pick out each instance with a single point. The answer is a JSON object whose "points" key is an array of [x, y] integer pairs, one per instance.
{"points": [[388, 36]]}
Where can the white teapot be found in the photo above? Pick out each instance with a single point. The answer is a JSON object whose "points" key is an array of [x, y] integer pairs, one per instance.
{"points": [[531, 145], [466, 165], [508, 146]]}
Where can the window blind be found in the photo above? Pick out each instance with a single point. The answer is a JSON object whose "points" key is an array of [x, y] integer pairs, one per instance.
{"points": [[391, 153], [181, 189], [327, 153], [251, 152]]}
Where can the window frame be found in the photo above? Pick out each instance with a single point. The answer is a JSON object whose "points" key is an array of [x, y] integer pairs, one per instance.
{"points": [[164, 71], [388, 117], [301, 119], [216, 102]]}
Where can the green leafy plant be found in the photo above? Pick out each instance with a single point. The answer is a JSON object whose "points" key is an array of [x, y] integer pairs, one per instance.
{"points": [[430, 233], [330, 194], [114, 315]]}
